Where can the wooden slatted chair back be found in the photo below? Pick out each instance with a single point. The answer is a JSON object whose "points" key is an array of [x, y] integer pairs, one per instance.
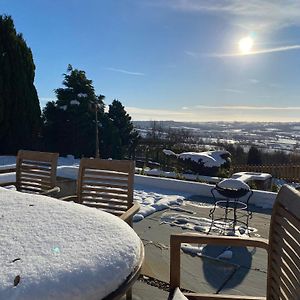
{"points": [[106, 184], [284, 246], [35, 171]]}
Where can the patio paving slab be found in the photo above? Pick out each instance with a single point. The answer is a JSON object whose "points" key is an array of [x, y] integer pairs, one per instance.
{"points": [[244, 274], [143, 291], [254, 283], [156, 239]]}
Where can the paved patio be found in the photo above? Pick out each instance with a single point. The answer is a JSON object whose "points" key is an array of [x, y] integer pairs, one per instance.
{"points": [[244, 273]]}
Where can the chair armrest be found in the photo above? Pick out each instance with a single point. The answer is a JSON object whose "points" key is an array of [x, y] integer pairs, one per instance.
{"points": [[54, 190], [219, 240], [69, 198], [194, 238], [127, 216]]}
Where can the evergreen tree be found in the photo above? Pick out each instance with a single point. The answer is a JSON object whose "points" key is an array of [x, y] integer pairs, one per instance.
{"points": [[124, 138], [254, 156], [19, 105], [69, 122], [111, 142]]}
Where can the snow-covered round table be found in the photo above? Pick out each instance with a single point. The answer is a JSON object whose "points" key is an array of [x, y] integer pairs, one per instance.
{"points": [[50, 249]]}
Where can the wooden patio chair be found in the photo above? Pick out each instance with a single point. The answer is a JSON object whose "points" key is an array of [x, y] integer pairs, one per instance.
{"points": [[35, 172], [107, 185], [283, 247]]}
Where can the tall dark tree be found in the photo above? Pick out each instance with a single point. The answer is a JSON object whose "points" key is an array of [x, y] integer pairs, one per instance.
{"points": [[70, 122], [124, 138], [254, 156], [19, 104]]}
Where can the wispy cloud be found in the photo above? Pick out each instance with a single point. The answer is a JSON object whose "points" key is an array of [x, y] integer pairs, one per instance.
{"points": [[275, 85], [241, 107], [125, 71], [251, 14], [155, 113], [254, 81], [203, 113], [256, 52], [192, 54], [233, 91]]}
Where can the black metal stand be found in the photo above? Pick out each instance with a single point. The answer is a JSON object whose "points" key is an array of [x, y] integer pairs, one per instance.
{"points": [[234, 210]]}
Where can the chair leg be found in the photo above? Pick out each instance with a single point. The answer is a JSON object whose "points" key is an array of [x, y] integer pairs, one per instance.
{"points": [[129, 294]]}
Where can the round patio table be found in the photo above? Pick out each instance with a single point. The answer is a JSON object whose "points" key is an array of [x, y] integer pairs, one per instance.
{"points": [[50, 249]]}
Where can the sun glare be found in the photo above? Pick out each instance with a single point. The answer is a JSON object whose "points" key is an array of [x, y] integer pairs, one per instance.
{"points": [[246, 45]]}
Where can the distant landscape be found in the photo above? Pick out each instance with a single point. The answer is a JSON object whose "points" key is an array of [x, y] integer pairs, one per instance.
{"points": [[271, 136]]}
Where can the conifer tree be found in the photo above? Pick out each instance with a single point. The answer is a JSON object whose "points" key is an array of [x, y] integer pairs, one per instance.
{"points": [[19, 104], [69, 122], [126, 137]]}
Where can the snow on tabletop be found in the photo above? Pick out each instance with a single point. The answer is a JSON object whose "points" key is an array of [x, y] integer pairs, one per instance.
{"points": [[235, 184], [61, 250], [252, 175]]}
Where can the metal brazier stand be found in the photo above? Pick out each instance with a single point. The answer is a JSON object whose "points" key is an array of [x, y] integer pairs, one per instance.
{"points": [[236, 212]]}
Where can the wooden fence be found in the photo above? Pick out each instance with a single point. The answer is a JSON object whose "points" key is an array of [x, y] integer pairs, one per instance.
{"points": [[287, 172]]}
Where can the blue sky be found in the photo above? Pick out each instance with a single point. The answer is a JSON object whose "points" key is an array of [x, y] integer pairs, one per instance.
{"points": [[171, 59]]}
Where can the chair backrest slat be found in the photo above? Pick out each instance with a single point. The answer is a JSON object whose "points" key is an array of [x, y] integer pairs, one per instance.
{"points": [[284, 250], [35, 171], [106, 184]]}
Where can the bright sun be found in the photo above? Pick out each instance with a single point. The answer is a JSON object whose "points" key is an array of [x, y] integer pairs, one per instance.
{"points": [[246, 44]]}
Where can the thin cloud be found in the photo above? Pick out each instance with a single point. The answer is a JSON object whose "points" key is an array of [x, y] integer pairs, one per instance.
{"points": [[233, 91], [125, 71], [191, 53], [154, 112], [262, 51], [241, 107], [275, 85], [250, 14], [218, 113]]}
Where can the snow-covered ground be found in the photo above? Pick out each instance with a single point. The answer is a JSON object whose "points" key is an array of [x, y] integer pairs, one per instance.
{"points": [[153, 194], [270, 137]]}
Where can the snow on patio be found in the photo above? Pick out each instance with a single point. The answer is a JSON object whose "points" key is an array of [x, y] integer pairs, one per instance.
{"points": [[151, 199]]}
